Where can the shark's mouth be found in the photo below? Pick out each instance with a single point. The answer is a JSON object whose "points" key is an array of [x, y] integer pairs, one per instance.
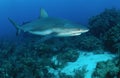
{"points": [[75, 34], [46, 32], [68, 34], [71, 33]]}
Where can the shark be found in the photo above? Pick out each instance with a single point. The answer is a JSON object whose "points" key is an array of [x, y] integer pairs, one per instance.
{"points": [[50, 26]]}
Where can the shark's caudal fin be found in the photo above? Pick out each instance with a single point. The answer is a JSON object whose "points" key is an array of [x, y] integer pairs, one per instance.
{"points": [[43, 13], [16, 26]]}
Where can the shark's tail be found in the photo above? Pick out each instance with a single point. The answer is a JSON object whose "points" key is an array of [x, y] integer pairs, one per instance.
{"points": [[16, 26]]}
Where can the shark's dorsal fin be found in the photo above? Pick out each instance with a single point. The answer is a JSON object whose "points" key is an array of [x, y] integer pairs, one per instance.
{"points": [[43, 13]]}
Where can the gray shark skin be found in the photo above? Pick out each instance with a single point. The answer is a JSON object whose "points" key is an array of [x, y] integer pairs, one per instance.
{"points": [[46, 25]]}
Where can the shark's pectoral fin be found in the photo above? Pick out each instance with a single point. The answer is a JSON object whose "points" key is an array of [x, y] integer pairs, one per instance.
{"points": [[47, 37], [43, 13]]}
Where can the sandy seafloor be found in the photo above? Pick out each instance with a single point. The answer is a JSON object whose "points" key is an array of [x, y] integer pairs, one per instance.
{"points": [[87, 59]]}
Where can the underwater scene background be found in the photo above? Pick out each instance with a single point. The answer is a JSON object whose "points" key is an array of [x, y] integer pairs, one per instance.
{"points": [[94, 54]]}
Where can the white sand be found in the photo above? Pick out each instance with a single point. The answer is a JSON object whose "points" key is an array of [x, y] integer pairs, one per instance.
{"points": [[87, 59]]}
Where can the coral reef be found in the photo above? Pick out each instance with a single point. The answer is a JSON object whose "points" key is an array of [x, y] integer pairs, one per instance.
{"points": [[63, 75], [103, 22], [61, 59], [78, 73], [108, 69], [106, 27], [112, 37], [69, 56], [89, 43], [30, 60], [24, 61]]}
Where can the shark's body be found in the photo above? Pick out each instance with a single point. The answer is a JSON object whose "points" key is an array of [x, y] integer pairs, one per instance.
{"points": [[50, 26]]}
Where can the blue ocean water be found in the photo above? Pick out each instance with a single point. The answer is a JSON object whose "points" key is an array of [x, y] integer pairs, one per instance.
{"points": [[94, 54]]}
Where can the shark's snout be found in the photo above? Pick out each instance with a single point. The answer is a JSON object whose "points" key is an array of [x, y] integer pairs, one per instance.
{"points": [[72, 32], [85, 30], [80, 31]]}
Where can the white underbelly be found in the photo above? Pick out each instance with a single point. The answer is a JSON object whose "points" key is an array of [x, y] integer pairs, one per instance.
{"points": [[46, 32]]}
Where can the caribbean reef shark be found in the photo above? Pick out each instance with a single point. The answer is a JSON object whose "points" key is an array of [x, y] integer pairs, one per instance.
{"points": [[50, 26]]}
